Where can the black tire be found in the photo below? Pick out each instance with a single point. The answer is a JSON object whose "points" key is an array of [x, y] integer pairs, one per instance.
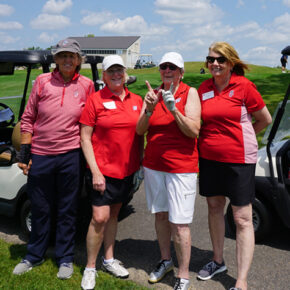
{"points": [[261, 220], [25, 217]]}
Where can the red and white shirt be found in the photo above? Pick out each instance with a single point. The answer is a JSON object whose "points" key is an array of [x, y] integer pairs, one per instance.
{"points": [[115, 141], [168, 149], [227, 134], [53, 111]]}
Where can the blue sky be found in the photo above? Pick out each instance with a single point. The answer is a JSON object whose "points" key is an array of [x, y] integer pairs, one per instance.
{"points": [[258, 29]]}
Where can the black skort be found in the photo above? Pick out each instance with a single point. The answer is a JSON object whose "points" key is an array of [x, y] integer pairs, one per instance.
{"points": [[234, 180], [117, 190]]}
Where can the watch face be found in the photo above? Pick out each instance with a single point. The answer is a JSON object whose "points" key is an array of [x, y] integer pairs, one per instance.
{"points": [[149, 114]]}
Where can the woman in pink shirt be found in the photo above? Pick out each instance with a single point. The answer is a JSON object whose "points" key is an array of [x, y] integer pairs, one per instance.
{"points": [[51, 157]]}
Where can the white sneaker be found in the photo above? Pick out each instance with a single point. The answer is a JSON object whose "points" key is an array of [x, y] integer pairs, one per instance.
{"points": [[25, 266], [181, 284], [115, 268], [162, 268], [89, 279]]}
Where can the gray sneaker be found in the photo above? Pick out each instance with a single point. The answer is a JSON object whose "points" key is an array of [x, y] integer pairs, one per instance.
{"points": [[25, 266], [211, 269], [181, 284], [89, 279], [116, 269], [160, 271], [65, 271]]}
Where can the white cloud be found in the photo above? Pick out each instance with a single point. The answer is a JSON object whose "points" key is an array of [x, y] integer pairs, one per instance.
{"points": [[6, 10], [188, 12], [181, 46], [47, 38], [134, 25], [50, 22], [10, 25], [240, 3], [247, 27], [282, 23], [7, 39], [261, 55], [93, 18], [286, 3], [56, 7]]}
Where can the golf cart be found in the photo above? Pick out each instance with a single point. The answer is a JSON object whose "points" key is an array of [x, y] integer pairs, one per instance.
{"points": [[272, 177], [13, 195], [144, 61]]}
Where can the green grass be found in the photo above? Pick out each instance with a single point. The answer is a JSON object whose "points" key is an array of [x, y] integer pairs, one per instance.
{"points": [[271, 83], [44, 276]]}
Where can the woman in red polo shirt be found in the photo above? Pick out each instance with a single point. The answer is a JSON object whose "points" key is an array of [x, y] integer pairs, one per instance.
{"points": [[228, 153], [171, 115], [112, 150]]}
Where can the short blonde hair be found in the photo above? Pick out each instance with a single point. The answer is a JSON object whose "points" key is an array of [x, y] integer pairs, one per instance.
{"points": [[226, 50]]}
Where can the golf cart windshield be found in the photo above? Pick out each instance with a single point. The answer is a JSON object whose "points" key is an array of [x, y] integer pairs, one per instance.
{"points": [[283, 131]]}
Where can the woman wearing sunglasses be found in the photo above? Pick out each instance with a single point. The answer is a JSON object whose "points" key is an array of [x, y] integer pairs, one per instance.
{"points": [[228, 154], [171, 116]]}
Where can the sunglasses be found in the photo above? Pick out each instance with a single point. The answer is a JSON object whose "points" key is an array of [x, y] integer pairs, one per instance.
{"points": [[164, 66], [220, 59]]}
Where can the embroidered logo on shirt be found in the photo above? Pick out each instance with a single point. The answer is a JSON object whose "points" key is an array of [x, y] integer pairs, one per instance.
{"points": [[76, 94], [134, 108], [231, 93], [177, 100]]}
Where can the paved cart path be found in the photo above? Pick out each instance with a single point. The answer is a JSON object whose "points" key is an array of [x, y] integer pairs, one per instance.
{"points": [[137, 248]]}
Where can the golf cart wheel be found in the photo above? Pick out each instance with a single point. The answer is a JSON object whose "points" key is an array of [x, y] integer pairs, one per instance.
{"points": [[261, 220], [25, 217]]}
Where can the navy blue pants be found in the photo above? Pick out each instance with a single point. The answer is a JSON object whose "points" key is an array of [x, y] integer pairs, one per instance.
{"points": [[53, 185]]}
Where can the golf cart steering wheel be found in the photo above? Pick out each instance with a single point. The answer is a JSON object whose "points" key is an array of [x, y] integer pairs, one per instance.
{"points": [[7, 116]]}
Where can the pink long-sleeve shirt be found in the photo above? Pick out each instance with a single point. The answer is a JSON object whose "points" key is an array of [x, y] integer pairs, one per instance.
{"points": [[53, 111]]}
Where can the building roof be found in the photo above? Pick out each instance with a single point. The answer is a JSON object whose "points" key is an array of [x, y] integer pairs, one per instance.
{"points": [[106, 42]]}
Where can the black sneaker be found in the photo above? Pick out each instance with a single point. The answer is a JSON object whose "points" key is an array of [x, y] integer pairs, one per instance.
{"points": [[181, 284], [211, 269]]}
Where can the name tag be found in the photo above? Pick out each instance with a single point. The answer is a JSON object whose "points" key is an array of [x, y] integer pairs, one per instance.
{"points": [[135, 108], [110, 105], [207, 95]]}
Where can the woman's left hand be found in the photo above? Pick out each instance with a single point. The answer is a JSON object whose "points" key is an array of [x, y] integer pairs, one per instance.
{"points": [[99, 182]]}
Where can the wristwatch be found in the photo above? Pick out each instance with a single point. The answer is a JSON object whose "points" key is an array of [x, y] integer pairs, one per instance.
{"points": [[148, 113]]}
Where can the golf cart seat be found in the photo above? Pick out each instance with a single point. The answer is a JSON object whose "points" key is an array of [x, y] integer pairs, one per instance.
{"points": [[8, 153]]}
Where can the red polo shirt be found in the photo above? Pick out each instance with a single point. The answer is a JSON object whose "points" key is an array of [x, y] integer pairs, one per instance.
{"points": [[115, 142], [227, 134], [168, 149]]}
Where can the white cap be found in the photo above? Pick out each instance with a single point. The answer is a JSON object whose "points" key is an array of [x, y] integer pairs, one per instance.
{"points": [[112, 60], [174, 58]]}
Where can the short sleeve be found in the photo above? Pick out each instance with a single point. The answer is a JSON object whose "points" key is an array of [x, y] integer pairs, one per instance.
{"points": [[253, 99], [89, 115]]}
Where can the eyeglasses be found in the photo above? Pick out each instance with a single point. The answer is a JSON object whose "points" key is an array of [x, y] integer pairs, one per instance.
{"points": [[116, 70], [164, 66], [220, 59]]}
